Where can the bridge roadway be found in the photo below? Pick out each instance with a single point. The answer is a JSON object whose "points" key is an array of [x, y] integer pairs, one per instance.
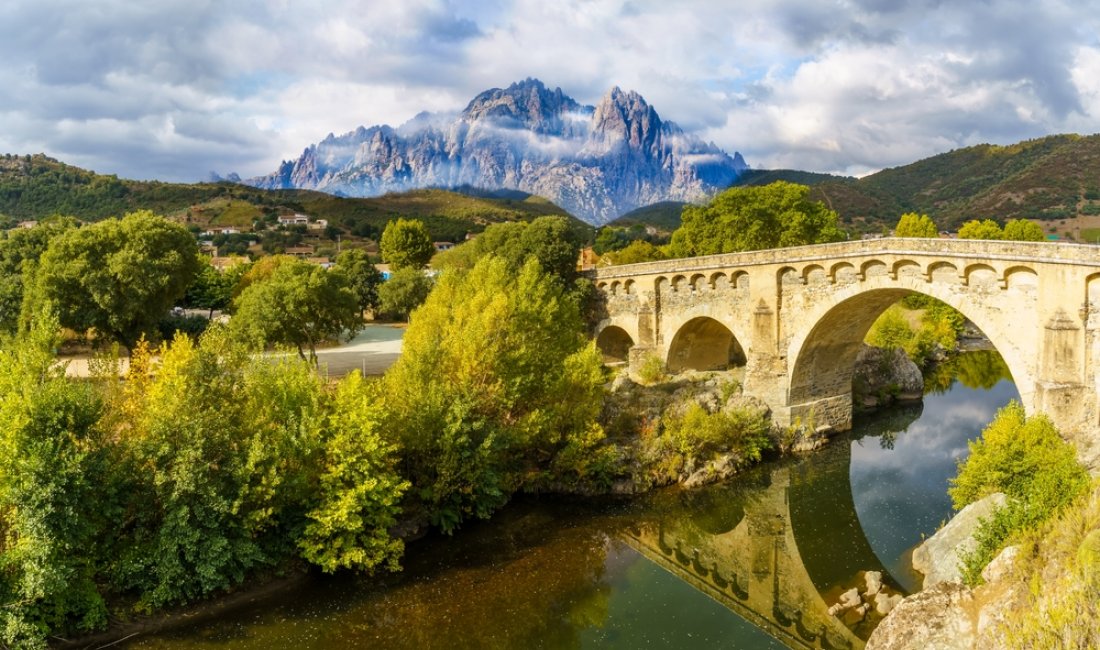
{"points": [[795, 317]]}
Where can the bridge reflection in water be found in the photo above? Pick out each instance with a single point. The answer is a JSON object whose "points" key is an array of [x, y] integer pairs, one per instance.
{"points": [[775, 551]]}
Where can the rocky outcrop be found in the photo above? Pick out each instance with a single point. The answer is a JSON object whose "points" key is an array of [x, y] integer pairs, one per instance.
{"points": [[938, 557], [875, 599], [938, 618], [951, 616], [597, 162], [885, 376]]}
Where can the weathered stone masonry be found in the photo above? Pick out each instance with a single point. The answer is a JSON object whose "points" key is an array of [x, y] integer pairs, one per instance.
{"points": [[795, 317]]}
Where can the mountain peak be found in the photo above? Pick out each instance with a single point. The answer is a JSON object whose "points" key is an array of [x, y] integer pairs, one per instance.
{"points": [[626, 117], [596, 162], [524, 104]]}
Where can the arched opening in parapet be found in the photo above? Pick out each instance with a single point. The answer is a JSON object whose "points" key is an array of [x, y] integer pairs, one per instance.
{"points": [[614, 344], [824, 361], [704, 344]]}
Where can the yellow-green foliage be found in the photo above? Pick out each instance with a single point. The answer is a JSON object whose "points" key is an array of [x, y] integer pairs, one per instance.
{"points": [[1063, 611], [912, 224], [1023, 230], [985, 229], [360, 490], [939, 326], [696, 432], [1025, 458], [1019, 455], [636, 251], [54, 461], [652, 370], [695, 436], [496, 379]]}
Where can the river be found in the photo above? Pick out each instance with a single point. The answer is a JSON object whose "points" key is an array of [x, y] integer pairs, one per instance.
{"points": [[753, 563]]}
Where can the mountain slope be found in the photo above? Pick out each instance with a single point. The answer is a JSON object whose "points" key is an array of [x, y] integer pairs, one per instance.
{"points": [[1047, 178], [597, 162], [34, 187]]}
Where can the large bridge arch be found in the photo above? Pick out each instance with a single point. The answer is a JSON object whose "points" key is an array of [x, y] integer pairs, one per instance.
{"points": [[822, 354], [704, 343]]}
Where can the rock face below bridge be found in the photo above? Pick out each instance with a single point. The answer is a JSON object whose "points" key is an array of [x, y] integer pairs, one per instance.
{"points": [[885, 376]]}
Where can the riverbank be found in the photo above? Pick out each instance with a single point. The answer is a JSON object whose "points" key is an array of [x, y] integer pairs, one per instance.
{"points": [[668, 568]]}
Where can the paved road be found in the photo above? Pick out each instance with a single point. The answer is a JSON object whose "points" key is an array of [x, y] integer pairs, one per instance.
{"points": [[374, 350]]}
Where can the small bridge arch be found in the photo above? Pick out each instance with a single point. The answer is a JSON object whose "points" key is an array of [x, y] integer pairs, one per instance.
{"points": [[704, 343]]}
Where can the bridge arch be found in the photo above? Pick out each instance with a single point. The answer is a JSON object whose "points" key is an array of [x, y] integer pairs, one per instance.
{"points": [[822, 356], [704, 343], [614, 344]]}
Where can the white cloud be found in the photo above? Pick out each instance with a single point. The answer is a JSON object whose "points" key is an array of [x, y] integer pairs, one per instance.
{"points": [[185, 86]]}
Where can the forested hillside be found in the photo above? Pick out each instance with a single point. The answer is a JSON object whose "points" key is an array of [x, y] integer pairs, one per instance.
{"points": [[1050, 178], [33, 187]]}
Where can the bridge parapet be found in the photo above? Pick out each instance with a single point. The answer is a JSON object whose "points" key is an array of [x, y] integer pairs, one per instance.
{"points": [[976, 249]]}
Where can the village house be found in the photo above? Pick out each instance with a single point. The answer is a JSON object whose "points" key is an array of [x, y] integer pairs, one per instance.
{"points": [[320, 224], [300, 251], [294, 220]]}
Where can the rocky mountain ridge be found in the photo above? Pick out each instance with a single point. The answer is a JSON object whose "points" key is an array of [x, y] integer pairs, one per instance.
{"points": [[597, 162]]}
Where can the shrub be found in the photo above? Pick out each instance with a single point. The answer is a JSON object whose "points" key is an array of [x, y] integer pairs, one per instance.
{"points": [[652, 370], [697, 433], [1025, 458]]}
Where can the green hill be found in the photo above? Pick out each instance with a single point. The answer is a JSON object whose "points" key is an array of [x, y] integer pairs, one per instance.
{"points": [[665, 216], [765, 176], [33, 187], [1055, 177]]}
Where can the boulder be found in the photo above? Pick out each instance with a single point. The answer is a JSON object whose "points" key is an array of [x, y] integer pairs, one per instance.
{"points": [[938, 557], [885, 603], [747, 403], [883, 376], [1001, 565], [873, 579], [937, 618]]}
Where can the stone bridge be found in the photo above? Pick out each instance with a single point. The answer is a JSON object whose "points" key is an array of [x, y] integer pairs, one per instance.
{"points": [[795, 317]]}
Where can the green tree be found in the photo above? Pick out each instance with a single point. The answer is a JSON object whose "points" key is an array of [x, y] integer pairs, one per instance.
{"points": [[496, 390], [406, 290], [301, 305], [639, 250], [552, 241], [912, 224], [221, 450], [53, 464], [118, 276], [1023, 230], [360, 490], [987, 229], [610, 238], [406, 243], [20, 251], [364, 277], [753, 218], [212, 289]]}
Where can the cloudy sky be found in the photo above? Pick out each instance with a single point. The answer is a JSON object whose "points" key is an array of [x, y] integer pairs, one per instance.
{"points": [[173, 89]]}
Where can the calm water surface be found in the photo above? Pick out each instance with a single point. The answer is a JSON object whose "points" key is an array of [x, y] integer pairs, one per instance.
{"points": [[750, 564]]}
